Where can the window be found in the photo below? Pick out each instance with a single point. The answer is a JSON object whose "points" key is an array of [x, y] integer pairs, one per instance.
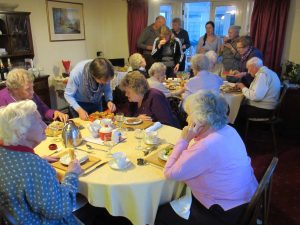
{"points": [[224, 18], [166, 11]]}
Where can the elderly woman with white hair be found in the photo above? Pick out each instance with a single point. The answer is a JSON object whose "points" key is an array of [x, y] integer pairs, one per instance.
{"points": [[138, 63], [19, 86], [29, 189], [203, 79], [218, 173], [157, 74], [214, 66]]}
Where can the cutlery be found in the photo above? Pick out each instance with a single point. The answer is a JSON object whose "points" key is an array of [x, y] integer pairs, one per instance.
{"points": [[87, 151], [91, 147], [149, 149], [92, 169]]}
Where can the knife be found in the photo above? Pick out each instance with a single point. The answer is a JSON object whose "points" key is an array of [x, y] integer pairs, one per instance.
{"points": [[92, 169]]}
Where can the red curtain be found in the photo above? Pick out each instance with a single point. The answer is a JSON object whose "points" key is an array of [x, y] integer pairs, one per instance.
{"points": [[137, 21], [268, 27]]}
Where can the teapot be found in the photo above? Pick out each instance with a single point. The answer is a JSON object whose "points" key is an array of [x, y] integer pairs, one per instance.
{"points": [[71, 135]]}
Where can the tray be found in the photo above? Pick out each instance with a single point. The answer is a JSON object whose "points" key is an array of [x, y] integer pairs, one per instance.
{"points": [[90, 162], [143, 125]]}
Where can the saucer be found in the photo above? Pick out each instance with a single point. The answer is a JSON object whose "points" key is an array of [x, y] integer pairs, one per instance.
{"points": [[113, 164], [152, 142]]}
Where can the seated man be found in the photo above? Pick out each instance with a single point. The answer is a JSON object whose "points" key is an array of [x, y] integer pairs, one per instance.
{"points": [[29, 189], [19, 86], [263, 94]]}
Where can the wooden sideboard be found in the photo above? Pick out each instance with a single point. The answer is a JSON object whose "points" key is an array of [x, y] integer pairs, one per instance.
{"points": [[41, 88]]}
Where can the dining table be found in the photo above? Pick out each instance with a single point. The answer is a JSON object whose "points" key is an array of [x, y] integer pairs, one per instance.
{"points": [[135, 192], [234, 100]]}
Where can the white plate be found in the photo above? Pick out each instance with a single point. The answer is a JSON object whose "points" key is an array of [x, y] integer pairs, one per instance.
{"points": [[135, 122], [113, 164], [81, 156]]}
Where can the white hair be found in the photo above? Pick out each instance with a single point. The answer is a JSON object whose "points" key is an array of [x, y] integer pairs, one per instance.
{"points": [[254, 61], [157, 67], [212, 57], [207, 107], [199, 62], [135, 61], [236, 28], [16, 78], [15, 120]]}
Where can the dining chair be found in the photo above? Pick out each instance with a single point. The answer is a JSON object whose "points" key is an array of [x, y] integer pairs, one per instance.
{"points": [[176, 107], [271, 121], [259, 206]]}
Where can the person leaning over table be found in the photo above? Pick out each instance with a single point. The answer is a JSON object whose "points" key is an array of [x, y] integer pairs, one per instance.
{"points": [[263, 94], [146, 103], [19, 86], [137, 62], [157, 74], [218, 173], [29, 189], [88, 82], [247, 51], [203, 79], [167, 49]]}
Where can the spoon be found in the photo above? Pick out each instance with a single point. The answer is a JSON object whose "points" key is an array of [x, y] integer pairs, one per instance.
{"points": [[91, 147]]}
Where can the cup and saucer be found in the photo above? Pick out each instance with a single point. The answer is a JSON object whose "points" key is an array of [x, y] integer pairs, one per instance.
{"points": [[151, 138], [119, 161]]}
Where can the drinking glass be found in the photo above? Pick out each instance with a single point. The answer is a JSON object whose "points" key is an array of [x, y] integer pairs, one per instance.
{"points": [[139, 135], [120, 120]]}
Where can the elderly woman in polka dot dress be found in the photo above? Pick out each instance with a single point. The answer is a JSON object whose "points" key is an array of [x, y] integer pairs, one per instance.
{"points": [[29, 189]]}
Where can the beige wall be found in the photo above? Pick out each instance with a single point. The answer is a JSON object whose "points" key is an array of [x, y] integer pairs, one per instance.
{"points": [[291, 48], [105, 30]]}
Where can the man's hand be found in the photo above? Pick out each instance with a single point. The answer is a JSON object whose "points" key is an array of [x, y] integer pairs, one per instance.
{"points": [[61, 116], [82, 114], [240, 75], [111, 106]]}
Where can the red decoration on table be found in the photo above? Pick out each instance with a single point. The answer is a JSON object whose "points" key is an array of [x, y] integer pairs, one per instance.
{"points": [[66, 65]]}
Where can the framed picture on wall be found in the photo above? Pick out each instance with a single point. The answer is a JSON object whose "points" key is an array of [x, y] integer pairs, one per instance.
{"points": [[65, 21]]}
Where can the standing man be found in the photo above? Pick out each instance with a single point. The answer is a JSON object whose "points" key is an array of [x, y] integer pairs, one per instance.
{"points": [[146, 39], [183, 36]]}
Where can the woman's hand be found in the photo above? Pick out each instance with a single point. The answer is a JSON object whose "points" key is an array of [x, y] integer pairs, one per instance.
{"points": [[161, 43], [74, 167], [61, 116], [144, 117], [82, 114], [190, 132], [111, 106]]}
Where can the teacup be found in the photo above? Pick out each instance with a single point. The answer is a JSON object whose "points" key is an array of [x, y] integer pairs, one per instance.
{"points": [[120, 159]]}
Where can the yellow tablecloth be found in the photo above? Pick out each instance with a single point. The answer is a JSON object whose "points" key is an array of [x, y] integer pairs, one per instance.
{"points": [[135, 192], [234, 101]]}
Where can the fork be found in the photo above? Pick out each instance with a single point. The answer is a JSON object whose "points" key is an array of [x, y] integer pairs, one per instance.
{"points": [[91, 147]]}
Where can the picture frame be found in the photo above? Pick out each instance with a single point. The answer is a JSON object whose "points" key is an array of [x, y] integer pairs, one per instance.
{"points": [[65, 21]]}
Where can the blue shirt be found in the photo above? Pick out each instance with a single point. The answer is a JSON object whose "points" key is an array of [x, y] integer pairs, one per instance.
{"points": [[31, 193], [75, 89]]}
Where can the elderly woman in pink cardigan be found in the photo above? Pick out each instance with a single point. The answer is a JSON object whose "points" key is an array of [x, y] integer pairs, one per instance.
{"points": [[211, 158]]}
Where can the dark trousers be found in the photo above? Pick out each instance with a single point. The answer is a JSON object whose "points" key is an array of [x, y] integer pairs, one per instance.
{"points": [[149, 60], [170, 72], [247, 80], [199, 215], [88, 107], [182, 64]]}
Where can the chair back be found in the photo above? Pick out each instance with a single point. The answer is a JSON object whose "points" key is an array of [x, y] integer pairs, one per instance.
{"points": [[281, 99], [175, 103], [261, 198]]}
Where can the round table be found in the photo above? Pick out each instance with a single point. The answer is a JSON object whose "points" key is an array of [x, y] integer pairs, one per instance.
{"points": [[135, 192]]}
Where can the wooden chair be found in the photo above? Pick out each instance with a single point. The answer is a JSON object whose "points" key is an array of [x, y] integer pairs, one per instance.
{"points": [[260, 202], [271, 121]]}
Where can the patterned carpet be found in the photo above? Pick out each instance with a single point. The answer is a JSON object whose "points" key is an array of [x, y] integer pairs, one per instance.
{"points": [[285, 199]]}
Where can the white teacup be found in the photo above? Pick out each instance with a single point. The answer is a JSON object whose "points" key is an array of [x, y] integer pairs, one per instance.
{"points": [[120, 158]]}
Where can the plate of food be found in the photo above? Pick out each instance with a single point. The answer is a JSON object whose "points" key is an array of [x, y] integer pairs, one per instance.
{"points": [[133, 121], [57, 125], [165, 153], [67, 158], [101, 115]]}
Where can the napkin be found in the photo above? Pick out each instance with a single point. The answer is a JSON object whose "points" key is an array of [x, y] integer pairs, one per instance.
{"points": [[182, 205], [154, 127]]}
